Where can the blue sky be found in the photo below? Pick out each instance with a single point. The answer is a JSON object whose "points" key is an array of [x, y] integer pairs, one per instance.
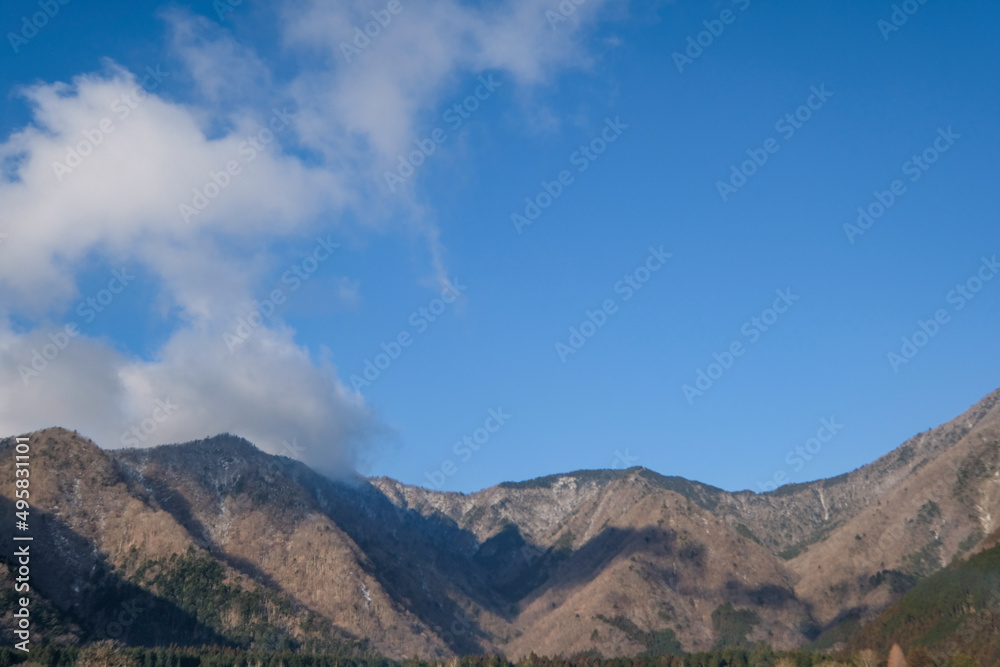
{"points": [[313, 201]]}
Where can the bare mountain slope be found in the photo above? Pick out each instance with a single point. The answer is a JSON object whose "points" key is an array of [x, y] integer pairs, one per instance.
{"points": [[619, 561]]}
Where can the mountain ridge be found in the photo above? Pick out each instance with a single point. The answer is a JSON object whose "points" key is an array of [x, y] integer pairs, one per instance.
{"points": [[617, 561]]}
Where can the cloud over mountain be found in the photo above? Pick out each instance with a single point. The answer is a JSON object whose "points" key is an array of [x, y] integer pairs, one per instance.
{"points": [[189, 175]]}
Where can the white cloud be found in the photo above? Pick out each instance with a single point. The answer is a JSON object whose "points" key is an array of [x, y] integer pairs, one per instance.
{"points": [[225, 72], [122, 198], [269, 392], [100, 176], [120, 203], [421, 55]]}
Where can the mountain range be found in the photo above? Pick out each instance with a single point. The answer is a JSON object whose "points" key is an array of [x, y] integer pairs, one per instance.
{"points": [[215, 541]]}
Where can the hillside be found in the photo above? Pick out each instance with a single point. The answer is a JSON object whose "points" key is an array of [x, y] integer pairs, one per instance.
{"points": [[220, 542], [954, 610]]}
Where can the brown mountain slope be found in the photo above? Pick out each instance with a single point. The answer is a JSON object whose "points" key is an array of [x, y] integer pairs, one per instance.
{"points": [[853, 543], [271, 519], [104, 544], [944, 495], [618, 561], [84, 519]]}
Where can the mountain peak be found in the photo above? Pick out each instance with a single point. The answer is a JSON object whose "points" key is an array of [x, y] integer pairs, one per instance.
{"points": [[617, 560]]}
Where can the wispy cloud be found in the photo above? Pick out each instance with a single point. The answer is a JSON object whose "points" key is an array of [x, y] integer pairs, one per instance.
{"points": [[139, 154]]}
